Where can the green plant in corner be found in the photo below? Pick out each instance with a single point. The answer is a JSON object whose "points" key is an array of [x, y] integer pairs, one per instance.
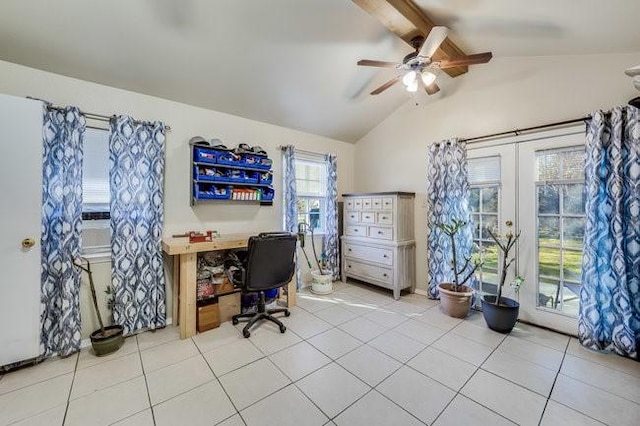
{"points": [[320, 261], [506, 243], [451, 229]]}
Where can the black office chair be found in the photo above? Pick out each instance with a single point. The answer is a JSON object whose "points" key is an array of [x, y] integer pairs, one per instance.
{"points": [[269, 264]]}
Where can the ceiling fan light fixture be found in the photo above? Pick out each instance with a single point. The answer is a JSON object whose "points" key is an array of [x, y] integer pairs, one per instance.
{"points": [[428, 77], [409, 79], [413, 87]]}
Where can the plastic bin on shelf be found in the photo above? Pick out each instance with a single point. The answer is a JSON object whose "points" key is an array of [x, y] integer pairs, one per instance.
{"points": [[209, 191], [267, 194], [209, 173], [205, 155], [251, 177], [229, 158], [266, 178]]}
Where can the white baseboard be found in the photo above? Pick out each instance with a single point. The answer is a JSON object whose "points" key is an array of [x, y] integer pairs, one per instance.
{"points": [[85, 343], [421, 292]]}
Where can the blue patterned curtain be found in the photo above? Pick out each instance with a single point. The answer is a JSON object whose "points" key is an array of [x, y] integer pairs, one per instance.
{"points": [[136, 175], [330, 239], [609, 317], [61, 225], [447, 199], [290, 198]]}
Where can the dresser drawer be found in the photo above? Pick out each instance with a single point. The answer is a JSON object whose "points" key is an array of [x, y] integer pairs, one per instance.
{"points": [[381, 232], [352, 217], [349, 204], [387, 203], [376, 272], [384, 218], [356, 230], [357, 204], [368, 217], [372, 254], [376, 203], [366, 203]]}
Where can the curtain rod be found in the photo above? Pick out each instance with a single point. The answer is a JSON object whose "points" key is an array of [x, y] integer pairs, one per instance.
{"points": [[302, 151], [91, 115], [517, 132]]}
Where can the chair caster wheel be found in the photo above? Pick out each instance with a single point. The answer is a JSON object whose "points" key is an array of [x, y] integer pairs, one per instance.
{"points": [[246, 333], [283, 329], [234, 321], [287, 313]]}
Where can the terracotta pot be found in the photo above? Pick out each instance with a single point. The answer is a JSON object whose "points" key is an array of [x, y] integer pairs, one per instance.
{"points": [[456, 304]]}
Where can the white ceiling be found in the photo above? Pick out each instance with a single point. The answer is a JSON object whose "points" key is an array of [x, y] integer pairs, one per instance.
{"points": [[286, 62]]}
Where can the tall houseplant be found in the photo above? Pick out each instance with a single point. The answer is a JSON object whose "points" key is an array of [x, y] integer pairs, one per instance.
{"points": [[321, 278], [456, 297], [501, 313], [107, 339]]}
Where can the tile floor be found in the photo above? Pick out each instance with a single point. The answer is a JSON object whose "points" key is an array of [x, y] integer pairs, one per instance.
{"points": [[356, 357]]}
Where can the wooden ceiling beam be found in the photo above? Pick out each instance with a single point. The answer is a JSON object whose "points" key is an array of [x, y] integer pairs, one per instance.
{"points": [[406, 20]]}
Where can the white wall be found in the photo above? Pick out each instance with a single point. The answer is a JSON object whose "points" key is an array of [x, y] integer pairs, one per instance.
{"points": [[502, 95], [186, 121]]}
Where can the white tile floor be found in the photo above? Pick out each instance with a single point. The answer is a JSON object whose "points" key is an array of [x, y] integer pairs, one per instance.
{"points": [[356, 357]]}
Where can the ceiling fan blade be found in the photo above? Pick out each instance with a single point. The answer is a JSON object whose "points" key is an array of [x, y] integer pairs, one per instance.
{"points": [[383, 64], [432, 89], [478, 58], [386, 85], [434, 40]]}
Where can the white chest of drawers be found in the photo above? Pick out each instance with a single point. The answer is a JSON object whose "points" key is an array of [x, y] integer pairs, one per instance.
{"points": [[378, 244]]}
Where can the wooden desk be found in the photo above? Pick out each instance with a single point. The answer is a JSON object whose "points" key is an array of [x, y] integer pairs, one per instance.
{"points": [[185, 260]]}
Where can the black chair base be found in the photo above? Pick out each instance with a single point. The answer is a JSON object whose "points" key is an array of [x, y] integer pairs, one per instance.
{"points": [[262, 314]]}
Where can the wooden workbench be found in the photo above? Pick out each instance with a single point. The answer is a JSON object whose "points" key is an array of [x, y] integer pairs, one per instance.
{"points": [[185, 262]]}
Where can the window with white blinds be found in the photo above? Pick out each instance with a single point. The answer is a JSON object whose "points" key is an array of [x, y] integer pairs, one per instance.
{"points": [[484, 170], [95, 173]]}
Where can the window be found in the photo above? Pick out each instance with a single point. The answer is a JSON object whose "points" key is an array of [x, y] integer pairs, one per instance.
{"points": [[484, 200], [560, 225], [311, 177], [95, 192]]}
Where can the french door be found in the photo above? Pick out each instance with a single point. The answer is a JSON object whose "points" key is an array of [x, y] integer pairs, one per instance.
{"points": [[540, 187]]}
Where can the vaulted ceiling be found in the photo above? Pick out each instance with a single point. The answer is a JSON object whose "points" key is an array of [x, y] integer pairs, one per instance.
{"points": [[287, 62]]}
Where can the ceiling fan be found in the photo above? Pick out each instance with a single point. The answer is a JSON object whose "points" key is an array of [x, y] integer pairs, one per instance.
{"points": [[418, 68]]}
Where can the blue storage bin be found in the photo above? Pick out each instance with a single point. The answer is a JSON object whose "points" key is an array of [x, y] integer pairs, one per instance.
{"points": [[204, 155], [267, 194], [229, 158], [251, 177], [234, 175], [208, 191], [209, 174], [266, 178]]}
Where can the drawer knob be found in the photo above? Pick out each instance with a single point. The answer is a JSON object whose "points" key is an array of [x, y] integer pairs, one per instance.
{"points": [[384, 255], [349, 249], [348, 266], [384, 218], [355, 230], [384, 275], [380, 232]]}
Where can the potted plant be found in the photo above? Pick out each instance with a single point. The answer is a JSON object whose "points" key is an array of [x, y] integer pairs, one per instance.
{"points": [[501, 313], [105, 340], [321, 278], [456, 297]]}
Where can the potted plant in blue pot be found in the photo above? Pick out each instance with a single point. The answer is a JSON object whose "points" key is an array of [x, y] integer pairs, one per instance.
{"points": [[501, 313]]}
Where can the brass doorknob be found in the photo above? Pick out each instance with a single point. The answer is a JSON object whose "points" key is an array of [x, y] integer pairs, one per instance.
{"points": [[28, 243]]}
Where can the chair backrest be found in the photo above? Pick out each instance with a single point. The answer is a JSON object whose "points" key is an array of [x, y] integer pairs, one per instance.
{"points": [[271, 261]]}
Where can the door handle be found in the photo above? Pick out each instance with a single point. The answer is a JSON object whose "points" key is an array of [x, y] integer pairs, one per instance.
{"points": [[27, 243]]}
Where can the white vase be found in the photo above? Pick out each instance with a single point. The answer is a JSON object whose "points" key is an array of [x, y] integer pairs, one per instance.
{"points": [[321, 284]]}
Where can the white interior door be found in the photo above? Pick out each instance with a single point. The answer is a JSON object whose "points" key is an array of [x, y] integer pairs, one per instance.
{"points": [[20, 212]]}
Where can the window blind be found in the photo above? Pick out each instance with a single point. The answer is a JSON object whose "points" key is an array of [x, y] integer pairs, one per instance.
{"points": [[484, 170]]}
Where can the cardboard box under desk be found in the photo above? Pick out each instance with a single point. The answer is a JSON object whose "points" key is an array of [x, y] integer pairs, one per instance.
{"points": [[228, 306]]}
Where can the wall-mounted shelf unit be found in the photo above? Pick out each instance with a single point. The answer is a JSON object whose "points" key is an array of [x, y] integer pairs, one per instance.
{"points": [[220, 174]]}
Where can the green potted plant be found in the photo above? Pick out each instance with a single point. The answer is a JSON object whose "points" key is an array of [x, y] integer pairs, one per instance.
{"points": [[501, 313], [321, 278], [456, 297], [105, 340]]}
